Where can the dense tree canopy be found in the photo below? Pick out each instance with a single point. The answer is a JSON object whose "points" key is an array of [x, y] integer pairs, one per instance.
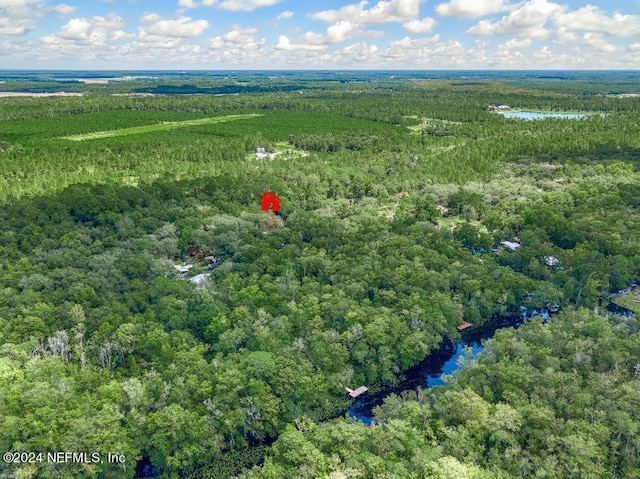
{"points": [[394, 205], [546, 400]]}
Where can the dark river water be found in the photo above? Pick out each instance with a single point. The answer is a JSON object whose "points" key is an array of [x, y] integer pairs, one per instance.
{"points": [[427, 374], [443, 361], [614, 308], [447, 359]]}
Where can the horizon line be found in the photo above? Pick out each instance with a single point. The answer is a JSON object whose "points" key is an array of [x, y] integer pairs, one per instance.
{"points": [[183, 70]]}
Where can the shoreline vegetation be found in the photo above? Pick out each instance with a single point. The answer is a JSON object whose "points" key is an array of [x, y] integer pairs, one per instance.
{"points": [[406, 210]]}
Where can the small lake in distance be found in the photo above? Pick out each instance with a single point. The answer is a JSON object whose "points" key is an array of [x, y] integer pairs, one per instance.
{"points": [[541, 115]]}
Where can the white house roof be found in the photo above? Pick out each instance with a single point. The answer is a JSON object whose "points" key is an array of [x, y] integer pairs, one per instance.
{"points": [[183, 268], [510, 245], [200, 278]]}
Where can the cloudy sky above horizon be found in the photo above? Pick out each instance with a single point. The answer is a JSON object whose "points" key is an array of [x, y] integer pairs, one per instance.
{"points": [[331, 34]]}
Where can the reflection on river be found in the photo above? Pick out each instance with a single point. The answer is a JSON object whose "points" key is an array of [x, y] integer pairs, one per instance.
{"points": [[427, 374], [615, 309]]}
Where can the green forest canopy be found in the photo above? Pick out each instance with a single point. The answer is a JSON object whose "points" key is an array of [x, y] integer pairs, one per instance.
{"points": [[105, 348]]}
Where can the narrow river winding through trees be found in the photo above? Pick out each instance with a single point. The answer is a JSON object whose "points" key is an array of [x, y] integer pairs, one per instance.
{"points": [[446, 360], [450, 357]]}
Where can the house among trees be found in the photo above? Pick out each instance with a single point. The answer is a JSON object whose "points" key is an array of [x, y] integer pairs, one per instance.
{"points": [[443, 210], [200, 278], [261, 154], [183, 269], [510, 245], [464, 326], [354, 393]]}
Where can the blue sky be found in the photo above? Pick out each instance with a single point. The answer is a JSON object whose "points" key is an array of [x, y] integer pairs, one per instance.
{"points": [[332, 34]]}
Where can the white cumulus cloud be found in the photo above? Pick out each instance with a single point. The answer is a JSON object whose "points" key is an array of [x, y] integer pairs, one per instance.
{"points": [[187, 3], [246, 5], [16, 3], [472, 8], [413, 50], [599, 42], [359, 52], [243, 38], [285, 44], [285, 14], [336, 33], [63, 9], [420, 26], [10, 26], [339, 32], [231, 5], [150, 18], [385, 11], [528, 20], [564, 36], [539, 19], [592, 18], [182, 27], [90, 31], [238, 44], [18, 17], [516, 43]]}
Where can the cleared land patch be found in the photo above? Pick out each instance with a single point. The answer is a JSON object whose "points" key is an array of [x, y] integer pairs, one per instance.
{"points": [[168, 125], [429, 122], [630, 301], [450, 222]]}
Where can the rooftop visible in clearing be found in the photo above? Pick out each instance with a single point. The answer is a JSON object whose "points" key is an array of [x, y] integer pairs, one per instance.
{"points": [[511, 245], [357, 392]]}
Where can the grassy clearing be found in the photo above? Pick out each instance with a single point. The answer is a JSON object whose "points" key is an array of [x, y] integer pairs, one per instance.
{"points": [[425, 122], [630, 301], [283, 151], [168, 125], [450, 222]]}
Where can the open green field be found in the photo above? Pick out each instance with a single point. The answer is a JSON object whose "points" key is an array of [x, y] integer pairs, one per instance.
{"points": [[168, 125]]}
